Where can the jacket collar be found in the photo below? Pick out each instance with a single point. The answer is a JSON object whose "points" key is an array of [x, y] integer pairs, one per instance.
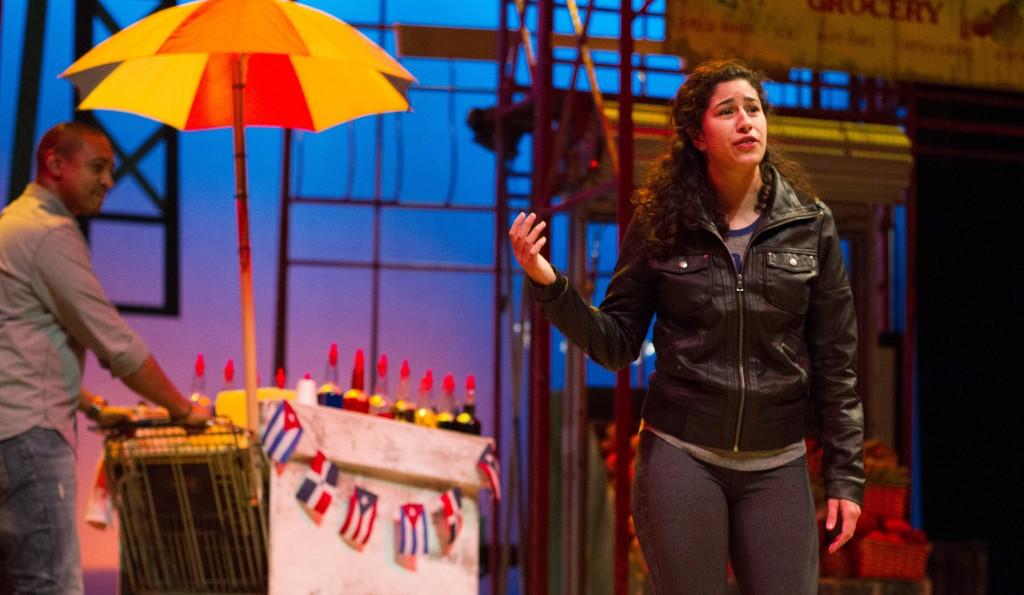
{"points": [[786, 201]]}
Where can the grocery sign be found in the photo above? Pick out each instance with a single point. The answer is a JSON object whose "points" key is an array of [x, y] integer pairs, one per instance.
{"points": [[970, 43]]}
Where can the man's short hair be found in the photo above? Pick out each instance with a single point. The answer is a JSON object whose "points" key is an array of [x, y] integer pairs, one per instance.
{"points": [[64, 138]]}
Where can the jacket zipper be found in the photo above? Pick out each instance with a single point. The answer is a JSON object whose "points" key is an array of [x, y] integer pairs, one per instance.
{"points": [[741, 369]]}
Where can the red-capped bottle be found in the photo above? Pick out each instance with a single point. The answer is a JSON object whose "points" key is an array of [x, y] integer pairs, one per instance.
{"points": [[199, 374], [329, 394], [229, 375], [355, 398], [379, 404], [404, 409], [199, 395], [447, 412], [466, 421], [426, 415]]}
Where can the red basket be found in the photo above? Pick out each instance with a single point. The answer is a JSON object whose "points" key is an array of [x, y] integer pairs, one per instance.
{"points": [[881, 559], [885, 500]]}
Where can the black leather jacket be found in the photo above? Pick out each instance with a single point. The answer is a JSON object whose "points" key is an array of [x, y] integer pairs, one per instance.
{"points": [[738, 354]]}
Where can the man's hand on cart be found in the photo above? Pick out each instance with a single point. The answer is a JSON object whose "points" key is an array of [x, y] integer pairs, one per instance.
{"points": [[102, 413], [197, 415], [112, 415]]}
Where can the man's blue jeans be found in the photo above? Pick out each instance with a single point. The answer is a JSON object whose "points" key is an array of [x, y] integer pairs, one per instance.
{"points": [[38, 536]]}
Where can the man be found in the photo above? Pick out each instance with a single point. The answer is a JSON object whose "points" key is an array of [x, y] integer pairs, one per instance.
{"points": [[52, 308]]}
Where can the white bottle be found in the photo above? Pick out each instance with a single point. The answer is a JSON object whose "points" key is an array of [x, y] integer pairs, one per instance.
{"points": [[305, 391]]}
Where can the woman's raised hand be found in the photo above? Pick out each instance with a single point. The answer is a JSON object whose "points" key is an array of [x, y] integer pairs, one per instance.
{"points": [[526, 245]]}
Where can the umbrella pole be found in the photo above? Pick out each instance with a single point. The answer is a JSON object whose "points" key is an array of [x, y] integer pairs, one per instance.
{"points": [[244, 247]]}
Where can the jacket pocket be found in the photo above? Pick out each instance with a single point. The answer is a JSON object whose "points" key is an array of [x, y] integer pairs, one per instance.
{"points": [[685, 282], [787, 278]]}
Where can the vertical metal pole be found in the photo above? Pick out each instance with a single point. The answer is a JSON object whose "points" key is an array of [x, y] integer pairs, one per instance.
{"points": [[378, 185], [540, 331], [574, 429], [623, 391], [883, 218], [283, 239], [172, 222], [28, 87], [909, 377], [500, 300]]}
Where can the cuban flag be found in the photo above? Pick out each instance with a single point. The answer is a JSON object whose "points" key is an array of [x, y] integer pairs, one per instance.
{"points": [[282, 434], [362, 512], [451, 512], [412, 522], [317, 489], [489, 466]]}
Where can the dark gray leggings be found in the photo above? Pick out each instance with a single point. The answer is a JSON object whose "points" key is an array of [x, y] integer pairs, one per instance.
{"points": [[691, 518]]}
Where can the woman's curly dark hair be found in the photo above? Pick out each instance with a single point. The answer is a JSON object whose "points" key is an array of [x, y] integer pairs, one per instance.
{"points": [[678, 194]]}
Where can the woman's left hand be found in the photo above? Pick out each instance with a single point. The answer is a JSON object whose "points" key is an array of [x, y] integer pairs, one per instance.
{"points": [[849, 512]]}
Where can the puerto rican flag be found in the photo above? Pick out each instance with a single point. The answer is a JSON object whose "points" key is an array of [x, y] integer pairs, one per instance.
{"points": [[489, 466], [412, 522], [282, 434], [451, 511], [317, 489], [362, 512]]}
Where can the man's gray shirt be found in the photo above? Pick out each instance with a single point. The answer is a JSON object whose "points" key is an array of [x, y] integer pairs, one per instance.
{"points": [[52, 308]]}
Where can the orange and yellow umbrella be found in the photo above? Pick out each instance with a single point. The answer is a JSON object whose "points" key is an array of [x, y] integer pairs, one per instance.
{"points": [[238, 63], [304, 69]]}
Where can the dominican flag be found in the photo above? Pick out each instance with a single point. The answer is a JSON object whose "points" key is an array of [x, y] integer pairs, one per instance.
{"points": [[317, 489], [362, 512], [451, 512], [488, 465], [412, 521], [282, 434]]}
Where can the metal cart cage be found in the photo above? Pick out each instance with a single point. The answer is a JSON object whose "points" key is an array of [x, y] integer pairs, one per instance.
{"points": [[191, 509]]}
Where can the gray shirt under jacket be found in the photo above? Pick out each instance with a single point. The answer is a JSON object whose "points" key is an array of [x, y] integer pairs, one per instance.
{"points": [[744, 460], [52, 309]]}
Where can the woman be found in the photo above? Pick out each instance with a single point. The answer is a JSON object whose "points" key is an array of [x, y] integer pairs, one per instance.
{"points": [[742, 265]]}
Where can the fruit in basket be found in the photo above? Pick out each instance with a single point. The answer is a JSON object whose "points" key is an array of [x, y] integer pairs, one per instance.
{"points": [[915, 536], [884, 537], [895, 525]]}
